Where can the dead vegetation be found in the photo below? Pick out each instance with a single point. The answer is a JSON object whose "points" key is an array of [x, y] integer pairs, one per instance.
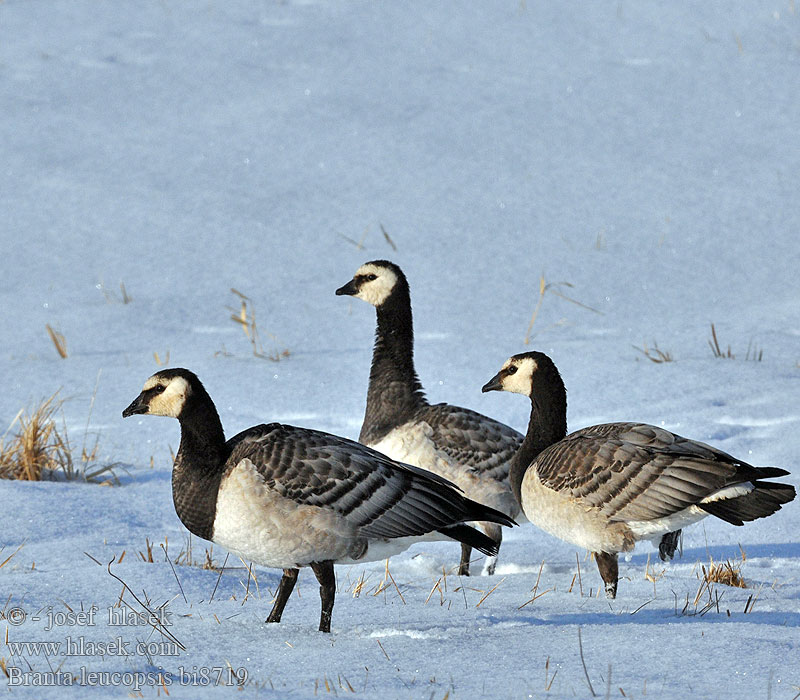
{"points": [[388, 238], [708, 596], [535, 589], [753, 353], [185, 556], [553, 288], [10, 556], [245, 316], [728, 573], [654, 354], [59, 341], [447, 589], [328, 684], [154, 617], [111, 297], [652, 575], [39, 449], [359, 244]]}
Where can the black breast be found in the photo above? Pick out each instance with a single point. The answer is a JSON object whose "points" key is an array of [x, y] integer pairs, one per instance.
{"points": [[195, 497]]}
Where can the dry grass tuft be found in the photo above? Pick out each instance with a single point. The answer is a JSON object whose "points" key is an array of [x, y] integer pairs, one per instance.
{"points": [[600, 241], [553, 288], [246, 318], [185, 557], [753, 353], [535, 589], [652, 575], [111, 297], [40, 450], [146, 556], [59, 341], [708, 598], [714, 345], [548, 680], [328, 683], [388, 238], [357, 244], [492, 590], [35, 447], [10, 556], [654, 354], [727, 573]]}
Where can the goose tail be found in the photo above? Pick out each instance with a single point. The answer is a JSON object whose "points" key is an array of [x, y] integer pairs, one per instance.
{"points": [[765, 499]]}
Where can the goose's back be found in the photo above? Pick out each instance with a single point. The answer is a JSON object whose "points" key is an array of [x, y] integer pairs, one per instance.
{"points": [[635, 471]]}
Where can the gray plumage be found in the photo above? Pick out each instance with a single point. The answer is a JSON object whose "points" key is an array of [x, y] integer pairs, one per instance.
{"points": [[289, 497], [607, 486], [639, 472], [381, 497], [468, 448], [480, 444]]}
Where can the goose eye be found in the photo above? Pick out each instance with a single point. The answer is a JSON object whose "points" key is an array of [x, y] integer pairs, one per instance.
{"points": [[159, 388], [512, 370], [371, 277]]}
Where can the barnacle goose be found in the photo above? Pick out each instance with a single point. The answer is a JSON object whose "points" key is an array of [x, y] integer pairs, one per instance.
{"points": [[463, 446], [607, 486], [289, 497]]}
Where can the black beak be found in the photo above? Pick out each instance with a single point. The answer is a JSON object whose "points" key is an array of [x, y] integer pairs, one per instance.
{"points": [[494, 384], [138, 405], [350, 289]]}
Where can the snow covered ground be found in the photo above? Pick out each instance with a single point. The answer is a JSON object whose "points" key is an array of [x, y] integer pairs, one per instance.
{"points": [[645, 153]]}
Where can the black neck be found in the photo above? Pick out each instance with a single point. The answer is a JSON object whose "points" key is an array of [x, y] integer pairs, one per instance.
{"points": [[394, 391], [198, 466], [547, 425]]}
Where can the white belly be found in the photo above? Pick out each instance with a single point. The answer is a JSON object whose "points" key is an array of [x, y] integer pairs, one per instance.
{"points": [[381, 549], [655, 529], [569, 520], [256, 522], [412, 443]]}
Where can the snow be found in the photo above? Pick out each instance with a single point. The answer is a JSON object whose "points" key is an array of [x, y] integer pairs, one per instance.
{"points": [[644, 153]]}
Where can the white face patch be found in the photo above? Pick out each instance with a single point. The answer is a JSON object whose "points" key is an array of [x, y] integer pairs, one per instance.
{"points": [[520, 381], [170, 402], [151, 382], [375, 291]]}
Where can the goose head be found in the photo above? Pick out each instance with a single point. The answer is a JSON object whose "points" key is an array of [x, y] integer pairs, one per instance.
{"points": [[528, 373], [374, 282], [166, 393]]}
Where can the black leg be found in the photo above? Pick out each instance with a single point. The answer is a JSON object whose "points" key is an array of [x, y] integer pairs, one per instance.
{"points": [[668, 545], [323, 570], [466, 553], [496, 533], [609, 571], [284, 591]]}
